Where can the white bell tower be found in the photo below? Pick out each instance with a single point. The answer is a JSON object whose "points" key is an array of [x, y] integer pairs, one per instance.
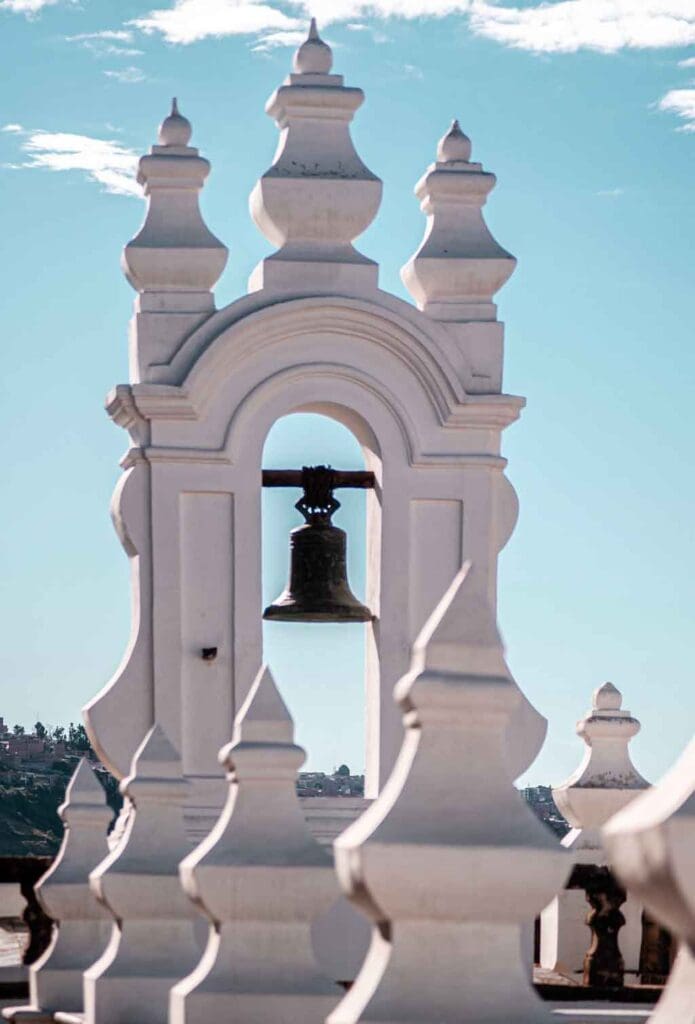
{"points": [[420, 388]]}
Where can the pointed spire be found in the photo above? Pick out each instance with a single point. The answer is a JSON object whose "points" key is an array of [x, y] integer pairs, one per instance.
{"points": [[263, 716], [462, 627], [454, 146], [607, 698], [84, 796], [155, 758], [462, 630], [314, 57], [175, 130]]}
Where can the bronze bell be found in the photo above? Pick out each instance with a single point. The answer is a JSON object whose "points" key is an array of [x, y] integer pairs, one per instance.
{"points": [[318, 589]]}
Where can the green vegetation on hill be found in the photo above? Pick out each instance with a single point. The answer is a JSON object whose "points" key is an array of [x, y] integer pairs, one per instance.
{"points": [[31, 792]]}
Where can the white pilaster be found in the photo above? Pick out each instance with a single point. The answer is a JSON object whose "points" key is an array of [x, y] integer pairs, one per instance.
{"points": [[318, 195], [651, 844], [152, 940], [262, 879], [448, 861], [604, 782]]}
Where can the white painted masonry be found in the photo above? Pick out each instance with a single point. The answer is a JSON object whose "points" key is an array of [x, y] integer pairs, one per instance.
{"points": [[420, 389]]}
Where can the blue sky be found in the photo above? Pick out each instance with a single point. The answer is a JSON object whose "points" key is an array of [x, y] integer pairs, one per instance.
{"points": [[585, 110]]}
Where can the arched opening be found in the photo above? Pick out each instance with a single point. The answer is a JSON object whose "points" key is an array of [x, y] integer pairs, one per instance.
{"points": [[319, 666]]}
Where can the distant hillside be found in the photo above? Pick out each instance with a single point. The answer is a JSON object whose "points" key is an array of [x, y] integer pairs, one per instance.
{"points": [[29, 801], [29, 823]]}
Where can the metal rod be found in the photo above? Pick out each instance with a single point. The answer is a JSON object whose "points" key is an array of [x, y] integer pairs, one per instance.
{"points": [[341, 478]]}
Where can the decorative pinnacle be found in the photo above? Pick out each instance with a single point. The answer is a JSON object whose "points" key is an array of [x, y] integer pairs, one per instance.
{"points": [[175, 130], [607, 698], [454, 146], [263, 717], [155, 761], [83, 791], [314, 57]]}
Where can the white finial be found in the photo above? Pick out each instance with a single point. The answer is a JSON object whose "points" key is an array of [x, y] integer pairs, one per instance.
{"points": [[460, 627], [459, 266], [314, 57], [156, 758], [454, 146], [84, 793], [318, 196], [154, 924], [262, 878], [82, 926], [607, 698], [263, 716], [606, 779], [449, 814], [175, 130], [174, 260]]}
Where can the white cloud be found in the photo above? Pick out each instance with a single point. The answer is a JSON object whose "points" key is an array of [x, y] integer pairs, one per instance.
{"points": [[13, 129], [127, 76], [329, 11], [104, 161], [108, 43], [682, 103], [188, 21], [544, 26], [28, 7], [611, 193], [120, 35], [271, 40], [688, 63], [566, 26]]}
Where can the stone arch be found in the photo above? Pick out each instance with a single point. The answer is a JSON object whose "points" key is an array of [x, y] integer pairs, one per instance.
{"points": [[393, 355], [400, 384]]}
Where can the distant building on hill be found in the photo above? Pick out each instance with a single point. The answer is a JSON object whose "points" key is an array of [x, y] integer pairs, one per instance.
{"points": [[339, 783], [540, 800]]}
